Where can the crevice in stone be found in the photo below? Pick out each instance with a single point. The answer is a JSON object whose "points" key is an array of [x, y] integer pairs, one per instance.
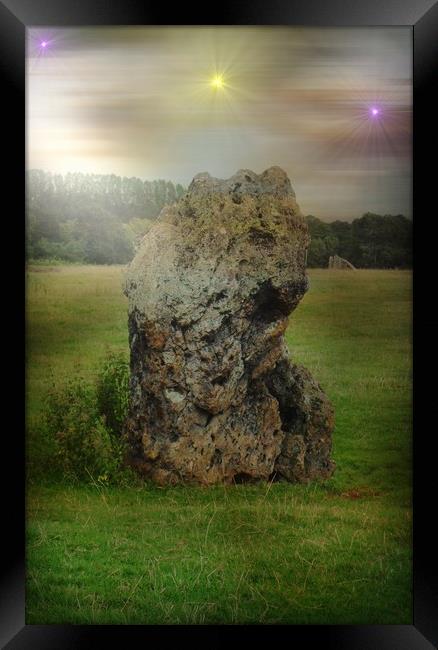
{"points": [[289, 416], [243, 477], [220, 380], [216, 459], [269, 305], [209, 419]]}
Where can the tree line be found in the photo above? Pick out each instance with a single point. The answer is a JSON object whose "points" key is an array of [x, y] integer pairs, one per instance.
{"points": [[100, 218], [91, 218], [371, 241]]}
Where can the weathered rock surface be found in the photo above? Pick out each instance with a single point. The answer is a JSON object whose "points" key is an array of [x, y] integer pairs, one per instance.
{"points": [[214, 397], [336, 262]]}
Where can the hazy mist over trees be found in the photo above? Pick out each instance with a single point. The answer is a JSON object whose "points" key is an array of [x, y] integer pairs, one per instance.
{"points": [[99, 219], [91, 218]]}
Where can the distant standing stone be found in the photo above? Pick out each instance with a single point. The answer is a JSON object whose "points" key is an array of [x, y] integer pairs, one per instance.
{"points": [[336, 262], [214, 396]]}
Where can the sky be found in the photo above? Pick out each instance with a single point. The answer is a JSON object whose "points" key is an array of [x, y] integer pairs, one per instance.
{"points": [[331, 106]]}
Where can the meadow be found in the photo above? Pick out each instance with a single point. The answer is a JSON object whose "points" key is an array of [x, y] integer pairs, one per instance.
{"points": [[336, 552]]}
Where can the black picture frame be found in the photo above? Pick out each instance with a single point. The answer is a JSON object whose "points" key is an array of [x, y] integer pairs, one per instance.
{"points": [[422, 16]]}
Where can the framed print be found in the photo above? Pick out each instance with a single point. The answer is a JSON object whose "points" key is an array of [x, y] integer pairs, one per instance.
{"points": [[227, 412]]}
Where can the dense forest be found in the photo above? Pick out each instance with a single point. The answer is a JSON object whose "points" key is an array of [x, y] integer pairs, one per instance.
{"points": [[99, 219]]}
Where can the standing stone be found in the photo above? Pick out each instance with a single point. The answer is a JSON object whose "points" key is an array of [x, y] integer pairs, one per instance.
{"points": [[214, 396], [336, 262]]}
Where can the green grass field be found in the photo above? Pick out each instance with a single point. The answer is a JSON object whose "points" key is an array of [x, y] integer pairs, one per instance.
{"points": [[338, 552]]}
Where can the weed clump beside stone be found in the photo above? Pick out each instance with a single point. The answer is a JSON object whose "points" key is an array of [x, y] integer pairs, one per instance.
{"points": [[83, 423]]}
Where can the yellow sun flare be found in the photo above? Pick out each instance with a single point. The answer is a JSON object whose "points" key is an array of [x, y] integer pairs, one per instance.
{"points": [[217, 81]]}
